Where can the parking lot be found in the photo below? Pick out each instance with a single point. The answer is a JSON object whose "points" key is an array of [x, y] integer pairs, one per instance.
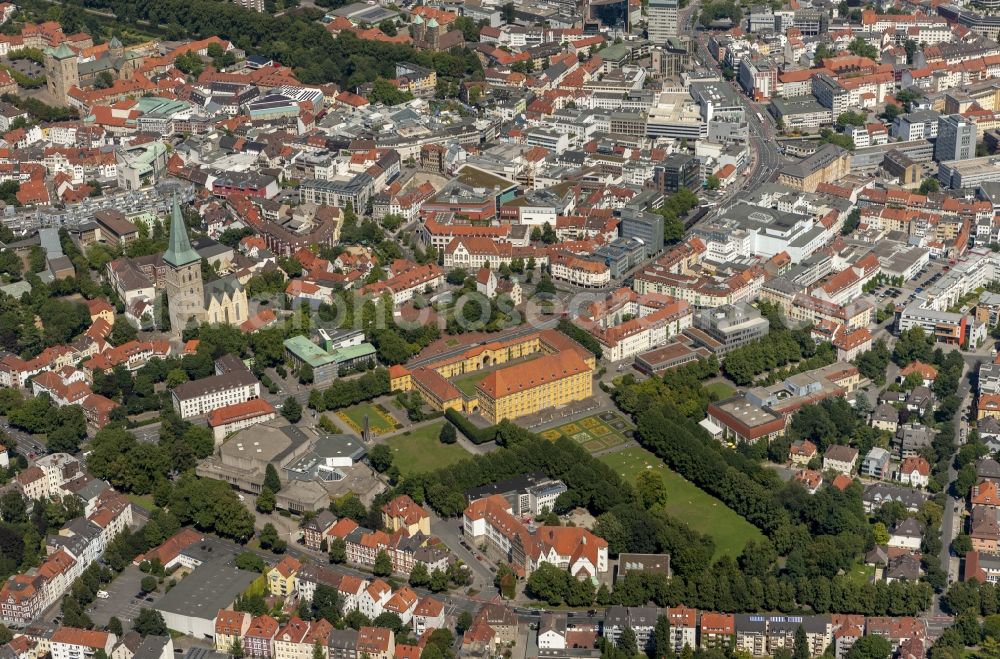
{"points": [[902, 295], [122, 602], [28, 68]]}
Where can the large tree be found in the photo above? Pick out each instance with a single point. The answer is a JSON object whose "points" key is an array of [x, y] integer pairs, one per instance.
{"points": [[872, 646], [150, 622], [383, 564], [271, 479]]}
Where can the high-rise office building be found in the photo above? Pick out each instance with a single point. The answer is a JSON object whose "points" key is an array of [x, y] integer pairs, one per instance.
{"points": [[647, 227], [678, 170], [956, 139], [661, 23]]}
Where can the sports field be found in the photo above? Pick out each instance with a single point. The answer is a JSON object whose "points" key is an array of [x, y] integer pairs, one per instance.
{"points": [[685, 501], [595, 433]]}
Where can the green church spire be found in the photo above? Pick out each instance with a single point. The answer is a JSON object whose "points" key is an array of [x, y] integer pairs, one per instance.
{"points": [[179, 251]]}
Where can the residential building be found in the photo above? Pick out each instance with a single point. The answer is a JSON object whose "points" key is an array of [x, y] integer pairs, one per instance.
{"points": [[230, 626], [73, 643], [491, 520], [875, 463], [716, 630], [683, 627], [840, 458], [404, 513], [640, 619], [281, 577], [915, 471], [801, 452]]}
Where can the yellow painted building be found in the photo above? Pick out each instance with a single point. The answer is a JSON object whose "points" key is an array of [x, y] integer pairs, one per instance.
{"points": [[399, 378], [405, 513], [544, 383], [489, 355], [988, 406], [437, 390], [560, 373], [281, 578]]}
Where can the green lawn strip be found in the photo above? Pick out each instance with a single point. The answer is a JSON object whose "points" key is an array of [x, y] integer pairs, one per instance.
{"points": [[421, 450], [688, 503]]}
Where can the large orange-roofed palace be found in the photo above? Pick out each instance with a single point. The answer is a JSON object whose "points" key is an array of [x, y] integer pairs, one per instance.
{"points": [[547, 369]]}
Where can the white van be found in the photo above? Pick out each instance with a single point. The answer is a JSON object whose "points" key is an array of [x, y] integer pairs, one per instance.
{"points": [[103, 594]]}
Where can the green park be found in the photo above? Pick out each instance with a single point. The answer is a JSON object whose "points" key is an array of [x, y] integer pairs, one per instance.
{"points": [[420, 450], [688, 503]]}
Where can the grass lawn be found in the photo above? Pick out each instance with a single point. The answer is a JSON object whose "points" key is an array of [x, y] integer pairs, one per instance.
{"points": [[421, 450], [378, 421], [688, 503], [143, 501], [721, 390], [467, 383], [861, 574]]}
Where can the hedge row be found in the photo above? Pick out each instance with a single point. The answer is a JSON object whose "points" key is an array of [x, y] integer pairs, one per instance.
{"points": [[475, 434]]}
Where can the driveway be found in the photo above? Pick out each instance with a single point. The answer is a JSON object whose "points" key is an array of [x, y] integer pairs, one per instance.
{"points": [[450, 532]]}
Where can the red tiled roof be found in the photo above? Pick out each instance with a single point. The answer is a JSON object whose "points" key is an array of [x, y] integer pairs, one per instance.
{"points": [[240, 411], [83, 637]]}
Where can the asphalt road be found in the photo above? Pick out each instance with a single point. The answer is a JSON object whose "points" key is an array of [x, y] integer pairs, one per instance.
{"points": [[954, 507], [26, 444], [765, 156]]}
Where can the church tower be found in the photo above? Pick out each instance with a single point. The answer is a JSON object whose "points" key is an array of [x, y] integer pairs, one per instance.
{"points": [[182, 281], [417, 28], [61, 73], [433, 35], [115, 47]]}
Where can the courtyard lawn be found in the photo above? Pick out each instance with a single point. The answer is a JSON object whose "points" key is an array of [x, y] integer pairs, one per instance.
{"points": [[379, 422], [721, 390], [685, 501], [421, 450], [467, 383]]}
